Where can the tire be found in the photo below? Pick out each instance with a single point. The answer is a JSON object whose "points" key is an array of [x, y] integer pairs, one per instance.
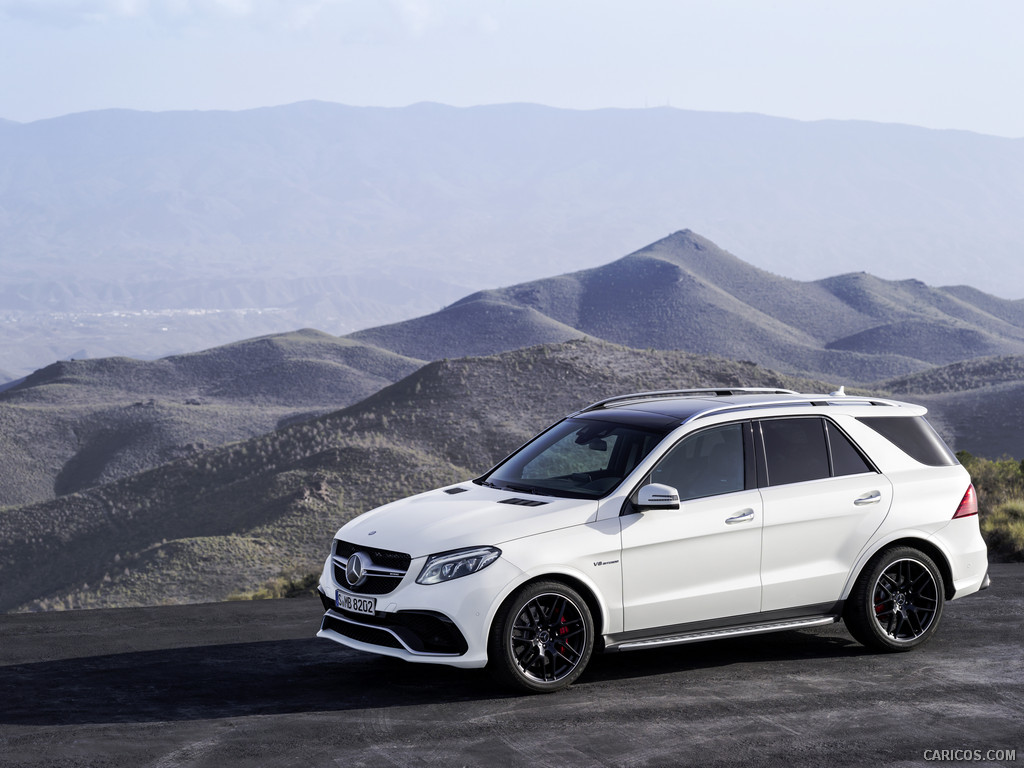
{"points": [[542, 638], [897, 600]]}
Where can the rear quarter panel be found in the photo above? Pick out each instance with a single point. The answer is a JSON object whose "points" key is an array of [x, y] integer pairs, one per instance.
{"points": [[925, 498]]}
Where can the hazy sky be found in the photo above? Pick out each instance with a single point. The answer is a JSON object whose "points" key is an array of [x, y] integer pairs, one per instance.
{"points": [[935, 63]]}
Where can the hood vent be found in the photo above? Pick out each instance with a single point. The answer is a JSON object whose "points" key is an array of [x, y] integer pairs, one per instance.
{"points": [[453, 491], [523, 502]]}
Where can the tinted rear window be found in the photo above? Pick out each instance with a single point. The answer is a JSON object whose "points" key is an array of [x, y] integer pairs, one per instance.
{"points": [[846, 458], [796, 450], [914, 436]]}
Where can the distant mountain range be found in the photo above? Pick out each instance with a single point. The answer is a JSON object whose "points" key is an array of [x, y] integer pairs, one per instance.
{"points": [[684, 292], [78, 424], [146, 234]]}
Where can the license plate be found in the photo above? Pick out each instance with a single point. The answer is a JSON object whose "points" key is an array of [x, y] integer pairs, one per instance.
{"points": [[367, 605]]}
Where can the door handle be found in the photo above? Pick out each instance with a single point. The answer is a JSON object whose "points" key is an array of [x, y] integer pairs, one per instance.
{"points": [[868, 498], [743, 517]]}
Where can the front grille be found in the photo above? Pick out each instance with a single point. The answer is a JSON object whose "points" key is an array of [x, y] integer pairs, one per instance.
{"points": [[374, 585], [393, 564], [384, 557], [420, 631]]}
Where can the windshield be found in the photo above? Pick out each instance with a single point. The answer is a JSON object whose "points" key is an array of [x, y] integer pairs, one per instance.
{"points": [[576, 458]]}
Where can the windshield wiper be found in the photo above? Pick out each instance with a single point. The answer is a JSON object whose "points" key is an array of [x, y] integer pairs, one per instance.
{"points": [[524, 489], [510, 487]]}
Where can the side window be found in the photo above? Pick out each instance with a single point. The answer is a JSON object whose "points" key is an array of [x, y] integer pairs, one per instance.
{"points": [[846, 459], [795, 450], [705, 464]]}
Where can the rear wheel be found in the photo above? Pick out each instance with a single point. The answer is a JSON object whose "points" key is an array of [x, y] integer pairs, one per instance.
{"points": [[542, 638], [897, 601]]}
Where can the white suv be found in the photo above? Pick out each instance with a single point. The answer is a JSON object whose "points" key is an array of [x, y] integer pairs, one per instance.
{"points": [[662, 518]]}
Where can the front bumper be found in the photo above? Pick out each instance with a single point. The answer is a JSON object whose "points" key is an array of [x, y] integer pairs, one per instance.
{"points": [[421, 633], [444, 623]]}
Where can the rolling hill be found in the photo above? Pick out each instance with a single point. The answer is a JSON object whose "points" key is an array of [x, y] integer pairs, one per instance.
{"points": [[81, 423], [227, 519], [684, 292]]}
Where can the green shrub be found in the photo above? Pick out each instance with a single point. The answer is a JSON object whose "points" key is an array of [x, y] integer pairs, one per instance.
{"points": [[1003, 529], [1000, 487], [996, 480]]}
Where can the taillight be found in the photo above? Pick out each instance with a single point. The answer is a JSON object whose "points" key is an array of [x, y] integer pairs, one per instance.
{"points": [[968, 504]]}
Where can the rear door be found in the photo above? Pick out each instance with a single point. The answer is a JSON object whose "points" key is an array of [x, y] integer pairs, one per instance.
{"points": [[822, 501]]}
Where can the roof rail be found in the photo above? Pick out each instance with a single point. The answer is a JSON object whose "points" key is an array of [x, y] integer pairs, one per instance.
{"points": [[637, 397], [844, 399]]}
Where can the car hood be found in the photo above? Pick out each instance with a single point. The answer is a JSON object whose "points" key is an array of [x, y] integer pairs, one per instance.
{"points": [[438, 521]]}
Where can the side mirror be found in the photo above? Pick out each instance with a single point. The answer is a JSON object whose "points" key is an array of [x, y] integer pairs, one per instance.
{"points": [[657, 496]]}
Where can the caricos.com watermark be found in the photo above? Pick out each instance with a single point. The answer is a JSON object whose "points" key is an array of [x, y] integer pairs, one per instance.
{"points": [[970, 755]]}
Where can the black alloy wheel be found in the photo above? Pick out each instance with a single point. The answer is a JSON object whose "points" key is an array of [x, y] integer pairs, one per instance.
{"points": [[897, 602], [905, 600], [543, 638]]}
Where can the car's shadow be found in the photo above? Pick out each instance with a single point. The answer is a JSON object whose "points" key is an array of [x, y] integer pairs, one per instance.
{"points": [[309, 675]]}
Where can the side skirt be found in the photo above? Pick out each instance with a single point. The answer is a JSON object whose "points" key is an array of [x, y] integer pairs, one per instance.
{"points": [[714, 630]]}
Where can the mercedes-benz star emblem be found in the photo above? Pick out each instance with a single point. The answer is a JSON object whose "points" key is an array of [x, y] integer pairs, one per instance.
{"points": [[355, 568]]}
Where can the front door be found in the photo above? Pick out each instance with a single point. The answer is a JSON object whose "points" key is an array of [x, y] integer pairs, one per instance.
{"points": [[703, 560]]}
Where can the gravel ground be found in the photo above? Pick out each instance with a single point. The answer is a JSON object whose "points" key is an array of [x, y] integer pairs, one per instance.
{"points": [[247, 684]]}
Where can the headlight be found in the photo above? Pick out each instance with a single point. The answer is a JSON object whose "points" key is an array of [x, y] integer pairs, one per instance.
{"points": [[454, 565]]}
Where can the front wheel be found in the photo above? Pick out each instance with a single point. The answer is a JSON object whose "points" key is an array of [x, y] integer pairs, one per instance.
{"points": [[897, 601], [542, 638]]}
